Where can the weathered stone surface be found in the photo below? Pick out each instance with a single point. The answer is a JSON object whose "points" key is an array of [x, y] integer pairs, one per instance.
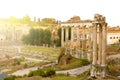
{"points": [[64, 59]]}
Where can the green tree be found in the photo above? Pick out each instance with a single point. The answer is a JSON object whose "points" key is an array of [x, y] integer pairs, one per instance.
{"points": [[37, 37], [48, 20], [47, 36], [26, 19], [34, 19], [40, 37], [38, 20], [25, 39], [58, 41]]}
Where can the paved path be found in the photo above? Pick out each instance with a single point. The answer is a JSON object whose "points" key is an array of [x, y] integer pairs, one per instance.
{"points": [[24, 71], [114, 56], [72, 72], [76, 71]]}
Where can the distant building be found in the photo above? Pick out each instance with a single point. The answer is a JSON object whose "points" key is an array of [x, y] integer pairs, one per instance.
{"points": [[113, 36]]}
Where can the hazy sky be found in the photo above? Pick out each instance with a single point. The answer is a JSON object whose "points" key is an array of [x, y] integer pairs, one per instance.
{"points": [[62, 9]]}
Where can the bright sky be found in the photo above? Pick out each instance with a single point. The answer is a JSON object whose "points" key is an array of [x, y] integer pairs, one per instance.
{"points": [[62, 9]]}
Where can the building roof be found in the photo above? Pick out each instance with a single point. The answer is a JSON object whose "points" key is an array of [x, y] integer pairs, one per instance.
{"points": [[113, 31]]}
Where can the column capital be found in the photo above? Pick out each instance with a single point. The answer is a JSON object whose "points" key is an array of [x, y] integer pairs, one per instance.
{"points": [[94, 25], [104, 24]]}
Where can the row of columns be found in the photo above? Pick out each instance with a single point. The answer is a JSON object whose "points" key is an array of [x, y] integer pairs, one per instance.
{"points": [[99, 49], [77, 41], [97, 43], [65, 34], [99, 55]]}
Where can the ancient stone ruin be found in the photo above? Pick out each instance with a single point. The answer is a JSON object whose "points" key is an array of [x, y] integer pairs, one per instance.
{"points": [[88, 40]]}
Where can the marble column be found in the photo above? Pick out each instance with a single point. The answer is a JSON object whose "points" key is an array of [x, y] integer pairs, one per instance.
{"points": [[100, 45], [104, 43], [72, 39], [90, 44], [66, 35], [78, 40], [94, 44], [83, 41], [72, 36], [62, 37], [94, 62], [66, 39], [83, 36]]}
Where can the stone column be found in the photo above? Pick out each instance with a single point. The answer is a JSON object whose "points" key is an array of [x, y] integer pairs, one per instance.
{"points": [[66, 39], [66, 35], [72, 39], [104, 43], [72, 36], [100, 45], [94, 62], [78, 40], [83, 41], [83, 36], [62, 37], [90, 44]]}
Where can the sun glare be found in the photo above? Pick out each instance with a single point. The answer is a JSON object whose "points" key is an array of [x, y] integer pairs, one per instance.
{"points": [[12, 8]]}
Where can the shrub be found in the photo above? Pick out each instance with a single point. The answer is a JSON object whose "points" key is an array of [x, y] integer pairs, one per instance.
{"points": [[30, 74], [42, 72], [22, 58], [50, 72], [16, 63]]}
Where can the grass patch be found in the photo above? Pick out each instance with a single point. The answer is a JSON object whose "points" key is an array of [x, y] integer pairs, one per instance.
{"points": [[74, 63], [41, 49], [113, 49], [56, 77], [64, 77], [31, 78]]}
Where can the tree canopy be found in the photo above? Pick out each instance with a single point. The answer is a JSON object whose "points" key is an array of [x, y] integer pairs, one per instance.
{"points": [[37, 37], [48, 22]]}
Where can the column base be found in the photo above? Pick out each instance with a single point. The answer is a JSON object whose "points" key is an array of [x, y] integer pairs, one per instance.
{"points": [[92, 78], [98, 71], [103, 71], [93, 70]]}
